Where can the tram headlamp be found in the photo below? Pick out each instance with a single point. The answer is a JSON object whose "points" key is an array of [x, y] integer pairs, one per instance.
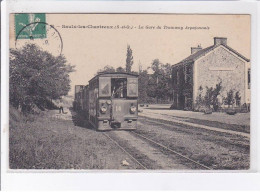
{"points": [[109, 102], [132, 109], [103, 109]]}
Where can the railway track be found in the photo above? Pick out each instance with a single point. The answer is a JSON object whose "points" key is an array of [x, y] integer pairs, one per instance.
{"points": [[161, 146], [130, 155], [172, 151]]}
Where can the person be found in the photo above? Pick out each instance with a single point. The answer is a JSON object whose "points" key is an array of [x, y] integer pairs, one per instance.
{"points": [[60, 107], [119, 91]]}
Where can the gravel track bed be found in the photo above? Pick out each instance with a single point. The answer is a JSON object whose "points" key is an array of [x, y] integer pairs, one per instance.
{"points": [[213, 149], [150, 155]]}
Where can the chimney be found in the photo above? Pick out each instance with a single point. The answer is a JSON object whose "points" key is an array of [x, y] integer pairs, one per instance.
{"points": [[195, 49], [220, 40]]}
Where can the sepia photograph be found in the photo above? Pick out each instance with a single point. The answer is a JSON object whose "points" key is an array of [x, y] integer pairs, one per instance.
{"points": [[129, 91]]}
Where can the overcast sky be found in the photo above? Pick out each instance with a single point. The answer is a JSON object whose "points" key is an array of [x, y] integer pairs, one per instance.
{"points": [[90, 49]]}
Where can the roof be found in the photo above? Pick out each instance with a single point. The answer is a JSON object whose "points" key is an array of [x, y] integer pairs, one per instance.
{"points": [[114, 74], [204, 51]]}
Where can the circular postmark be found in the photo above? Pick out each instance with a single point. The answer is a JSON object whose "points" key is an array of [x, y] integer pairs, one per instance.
{"points": [[45, 36]]}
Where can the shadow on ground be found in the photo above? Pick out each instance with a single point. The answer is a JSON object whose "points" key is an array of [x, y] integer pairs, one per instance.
{"points": [[80, 120], [156, 108]]}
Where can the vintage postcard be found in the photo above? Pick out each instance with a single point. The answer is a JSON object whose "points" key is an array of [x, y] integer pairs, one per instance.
{"points": [[129, 91]]}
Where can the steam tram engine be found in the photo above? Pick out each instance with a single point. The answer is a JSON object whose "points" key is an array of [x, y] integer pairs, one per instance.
{"points": [[109, 101]]}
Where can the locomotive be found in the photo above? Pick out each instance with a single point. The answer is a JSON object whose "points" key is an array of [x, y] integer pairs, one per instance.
{"points": [[109, 101]]}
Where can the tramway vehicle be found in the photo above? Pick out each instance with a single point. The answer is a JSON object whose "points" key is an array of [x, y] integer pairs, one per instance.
{"points": [[109, 101]]}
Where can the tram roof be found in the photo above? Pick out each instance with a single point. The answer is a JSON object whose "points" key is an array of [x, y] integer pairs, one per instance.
{"points": [[114, 74]]}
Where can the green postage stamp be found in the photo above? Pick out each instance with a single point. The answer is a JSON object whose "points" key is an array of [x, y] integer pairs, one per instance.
{"points": [[30, 26]]}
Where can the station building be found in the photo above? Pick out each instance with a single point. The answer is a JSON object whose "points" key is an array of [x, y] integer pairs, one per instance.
{"points": [[206, 68]]}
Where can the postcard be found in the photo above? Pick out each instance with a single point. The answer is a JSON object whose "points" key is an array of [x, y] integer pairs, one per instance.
{"points": [[129, 91]]}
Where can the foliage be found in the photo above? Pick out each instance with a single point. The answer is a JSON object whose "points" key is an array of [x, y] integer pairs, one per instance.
{"points": [[238, 98], [129, 59], [36, 77], [199, 99], [229, 100], [215, 95], [160, 81], [210, 98], [151, 87], [107, 69], [143, 83], [120, 69]]}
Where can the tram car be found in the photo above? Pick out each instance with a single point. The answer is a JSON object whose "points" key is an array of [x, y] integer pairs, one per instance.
{"points": [[109, 101]]}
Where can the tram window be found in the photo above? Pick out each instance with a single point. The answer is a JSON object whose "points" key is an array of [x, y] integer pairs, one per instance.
{"points": [[118, 87], [104, 86], [132, 87]]}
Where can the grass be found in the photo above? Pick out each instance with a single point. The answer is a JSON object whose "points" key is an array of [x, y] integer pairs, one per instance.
{"points": [[32, 146], [45, 142], [232, 127]]}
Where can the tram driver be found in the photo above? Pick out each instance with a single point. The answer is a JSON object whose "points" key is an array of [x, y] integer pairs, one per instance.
{"points": [[119, 89]]}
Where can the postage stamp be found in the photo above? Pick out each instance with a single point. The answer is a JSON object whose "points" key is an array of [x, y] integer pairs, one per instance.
{"points": [[32, 28], [27, 25]]}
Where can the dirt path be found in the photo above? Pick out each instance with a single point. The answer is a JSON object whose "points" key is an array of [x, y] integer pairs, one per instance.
{"points": [[182, 121]]}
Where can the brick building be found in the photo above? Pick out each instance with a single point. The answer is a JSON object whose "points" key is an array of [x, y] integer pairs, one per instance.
{"points": [[207, 67]]}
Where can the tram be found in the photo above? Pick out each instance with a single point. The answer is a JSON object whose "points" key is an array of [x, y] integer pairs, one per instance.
{"points": [[109, 101]]}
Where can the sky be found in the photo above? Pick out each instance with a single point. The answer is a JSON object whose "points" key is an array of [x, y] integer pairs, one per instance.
{"points": [[90, 49]]}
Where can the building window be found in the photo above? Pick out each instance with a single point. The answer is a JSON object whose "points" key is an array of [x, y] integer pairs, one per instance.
{"points": [[177, 77], [187, 74], [249, 77], [173, 96]]}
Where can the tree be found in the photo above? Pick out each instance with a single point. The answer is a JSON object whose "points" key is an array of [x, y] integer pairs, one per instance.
{"points": [[215, 95], [36, 77], [129, 59], [210, 98], [120, 69], [164, 82], [143, 81], [199, 99], [107, 69], [156, 67], [160, 81], [229, 100], [238, 98]]}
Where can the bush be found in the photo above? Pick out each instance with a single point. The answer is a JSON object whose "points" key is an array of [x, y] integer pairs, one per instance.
{"points": [[208, 111], [229, 100], [210, 98], [231, 112]]}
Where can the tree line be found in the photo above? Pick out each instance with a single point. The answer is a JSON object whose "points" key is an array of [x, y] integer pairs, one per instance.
{"points": [[153, 88], [36, 77]]}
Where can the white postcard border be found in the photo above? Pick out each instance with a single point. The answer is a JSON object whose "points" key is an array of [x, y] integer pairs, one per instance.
{"points": [[153, 180]]}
